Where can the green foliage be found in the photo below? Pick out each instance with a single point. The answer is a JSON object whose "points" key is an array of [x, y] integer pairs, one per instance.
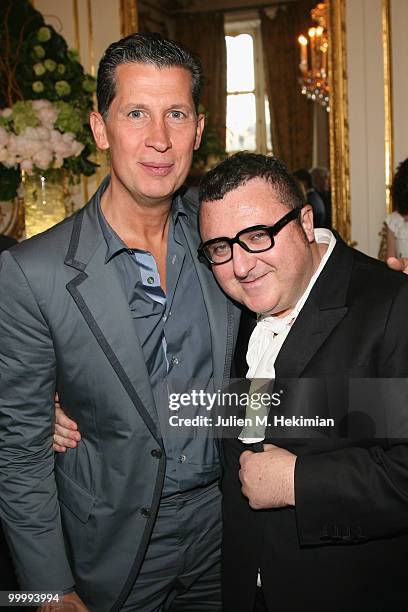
{"points": [[210, 147], [70, 119], [39, 69], [37, 87], [35, 63], [50, 65], [23, 116], [44, 34], [62, 89]]}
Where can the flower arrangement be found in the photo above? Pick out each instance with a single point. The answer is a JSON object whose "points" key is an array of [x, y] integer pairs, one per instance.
{"points": [[45, 101], [32, 134]]}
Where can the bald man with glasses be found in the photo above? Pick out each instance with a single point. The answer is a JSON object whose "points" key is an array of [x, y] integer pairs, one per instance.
{"points": [[320, 519]]}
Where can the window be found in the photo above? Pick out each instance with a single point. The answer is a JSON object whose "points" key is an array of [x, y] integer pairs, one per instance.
{"points": [[248, 120]]}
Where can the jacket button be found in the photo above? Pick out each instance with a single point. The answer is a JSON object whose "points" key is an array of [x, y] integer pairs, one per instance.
{"points": [[156, 452], [145, 512]]}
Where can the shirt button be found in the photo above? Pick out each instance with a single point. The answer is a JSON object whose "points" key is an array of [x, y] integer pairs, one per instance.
{"points": [[174, 361], [150, 280], [164, 318], [145, 512], [156, 452], [182, 458]]}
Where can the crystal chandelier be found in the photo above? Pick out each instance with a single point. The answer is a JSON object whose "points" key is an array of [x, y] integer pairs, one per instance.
{"points": [[313, 58]]}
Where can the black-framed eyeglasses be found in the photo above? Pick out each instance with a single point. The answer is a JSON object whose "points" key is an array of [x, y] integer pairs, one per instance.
{"points": [[255, 239]]}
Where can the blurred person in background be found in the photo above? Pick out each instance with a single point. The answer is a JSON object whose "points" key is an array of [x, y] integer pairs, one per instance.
{"points": [[312, 197], [321, 183], [397, 222]]}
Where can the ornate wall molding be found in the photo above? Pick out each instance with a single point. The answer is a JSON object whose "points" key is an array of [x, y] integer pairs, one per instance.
{"points": [[388, 101], [338, 119], [128, 17]]}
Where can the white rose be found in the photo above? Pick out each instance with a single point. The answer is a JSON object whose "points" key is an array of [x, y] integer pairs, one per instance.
{"points": [[43, 133], [28, 147], [55, 136], [48, 116], [68, 137], [30, 132], [39, 104], [27, 165], [62, 149], [42, 159], [12, 144]]}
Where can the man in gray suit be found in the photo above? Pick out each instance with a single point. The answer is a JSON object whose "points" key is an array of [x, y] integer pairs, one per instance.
{"points": [[112, 309]]}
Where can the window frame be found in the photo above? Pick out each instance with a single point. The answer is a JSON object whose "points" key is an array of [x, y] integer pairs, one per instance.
{"points": [[253, 28]]}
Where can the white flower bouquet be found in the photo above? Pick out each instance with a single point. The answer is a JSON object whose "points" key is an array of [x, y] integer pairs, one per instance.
{"points": [[32, 137]]}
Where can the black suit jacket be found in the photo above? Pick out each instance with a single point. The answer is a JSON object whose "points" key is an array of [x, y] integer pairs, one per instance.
{"points": [[344, 546]]}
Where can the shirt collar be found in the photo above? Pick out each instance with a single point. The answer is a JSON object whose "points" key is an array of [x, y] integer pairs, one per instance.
{"points": [[178, 208], [114, 244]]}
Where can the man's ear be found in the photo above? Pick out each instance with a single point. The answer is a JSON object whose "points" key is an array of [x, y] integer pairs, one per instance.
{"points": [[199, 131], [306, 221], [98, 127]]}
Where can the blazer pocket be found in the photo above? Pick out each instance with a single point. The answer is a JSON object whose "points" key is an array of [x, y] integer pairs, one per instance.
{"points": [[77, 499]]}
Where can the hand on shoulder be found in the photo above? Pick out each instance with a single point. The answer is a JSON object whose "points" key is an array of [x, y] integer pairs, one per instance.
{"points": [[398, 263]]}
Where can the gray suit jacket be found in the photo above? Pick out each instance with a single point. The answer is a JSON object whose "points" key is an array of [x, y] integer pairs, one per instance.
{"points": [[65, 324]]}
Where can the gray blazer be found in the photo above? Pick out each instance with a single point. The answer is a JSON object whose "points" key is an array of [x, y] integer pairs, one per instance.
{"points": [[84, 518]]}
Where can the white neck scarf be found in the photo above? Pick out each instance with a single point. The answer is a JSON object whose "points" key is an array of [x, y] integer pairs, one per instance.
{"points": [[271, 331]]}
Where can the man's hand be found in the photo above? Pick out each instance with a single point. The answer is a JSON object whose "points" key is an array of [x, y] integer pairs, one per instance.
{"points": [[400, 264], [268, 478], [68, 603], [66, 434]]}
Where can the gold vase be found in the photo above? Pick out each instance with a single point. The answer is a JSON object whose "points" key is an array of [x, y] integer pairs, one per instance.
{"points": [[45, 201]]}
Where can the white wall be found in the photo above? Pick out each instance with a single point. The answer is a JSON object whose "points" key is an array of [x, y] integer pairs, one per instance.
{"points": [[366, 117]]}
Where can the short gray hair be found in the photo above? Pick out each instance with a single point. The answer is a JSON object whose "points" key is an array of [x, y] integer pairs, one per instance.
{"points": [[145, 49]]}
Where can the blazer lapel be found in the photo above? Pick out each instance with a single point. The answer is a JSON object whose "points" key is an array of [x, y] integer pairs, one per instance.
{"points": [[246, 327], [310, 330], [324, 309], [100, 299]]}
